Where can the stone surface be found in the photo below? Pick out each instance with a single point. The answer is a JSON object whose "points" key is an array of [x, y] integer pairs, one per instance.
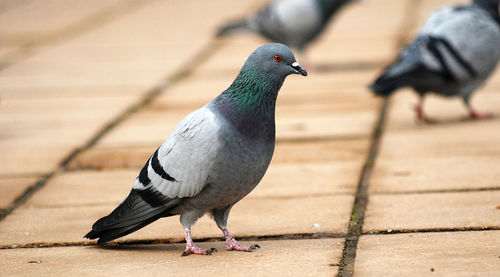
{"points": [[458, 210], [273, 258], [261, 216], [20, 22], [448, 155], [57, 96], [13, 187], [437, 173], [51, 128], [429, 254]]}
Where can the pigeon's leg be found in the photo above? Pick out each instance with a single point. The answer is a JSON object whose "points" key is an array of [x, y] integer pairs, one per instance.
{"points": [[419, 111], [187, 220], [474, 114], [220, 217]]}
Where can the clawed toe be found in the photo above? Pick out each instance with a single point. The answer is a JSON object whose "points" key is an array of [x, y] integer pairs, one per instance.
{"points": [[234, 245], [252, 247], [199, 251]]}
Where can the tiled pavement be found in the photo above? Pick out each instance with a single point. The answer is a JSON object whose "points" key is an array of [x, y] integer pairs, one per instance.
{"points": [[87, 96]]}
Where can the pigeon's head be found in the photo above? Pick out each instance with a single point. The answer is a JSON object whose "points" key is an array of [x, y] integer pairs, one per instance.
{"points": [[275, 60]]}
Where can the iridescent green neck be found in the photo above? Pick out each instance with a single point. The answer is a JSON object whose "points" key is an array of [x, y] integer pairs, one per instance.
{"points": [[253, 91], [249, 103]]}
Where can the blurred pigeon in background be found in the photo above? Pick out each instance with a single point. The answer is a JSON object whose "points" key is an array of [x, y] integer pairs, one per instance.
{"points": [[292, 22], [214, 157], [453, 54]]}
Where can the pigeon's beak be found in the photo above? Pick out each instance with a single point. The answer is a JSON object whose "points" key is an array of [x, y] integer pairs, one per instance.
{"points": [[300, 70]]}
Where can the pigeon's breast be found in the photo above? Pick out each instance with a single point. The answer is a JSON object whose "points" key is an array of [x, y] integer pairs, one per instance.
{"points": [[236, 170], [244, 160]]}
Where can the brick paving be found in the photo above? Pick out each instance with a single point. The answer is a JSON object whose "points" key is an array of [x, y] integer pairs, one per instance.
{"points": [[87, 96]]}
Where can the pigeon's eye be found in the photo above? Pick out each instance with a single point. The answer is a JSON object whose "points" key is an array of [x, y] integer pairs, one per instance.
{"points": [[278, 58]]}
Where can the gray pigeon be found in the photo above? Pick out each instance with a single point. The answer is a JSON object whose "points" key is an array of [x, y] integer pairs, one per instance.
{"points": [[293, 22], [453, 54], [213, 158]]}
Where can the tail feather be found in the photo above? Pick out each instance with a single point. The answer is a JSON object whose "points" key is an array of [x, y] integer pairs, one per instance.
{"points": [[132, 214], [385, 85], [232, 27], [407, 69]]}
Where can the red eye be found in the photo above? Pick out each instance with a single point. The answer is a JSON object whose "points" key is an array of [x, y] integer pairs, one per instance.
{"points": [[277, 58]]}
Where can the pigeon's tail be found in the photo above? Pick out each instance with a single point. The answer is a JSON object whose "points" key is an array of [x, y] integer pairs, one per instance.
{"points": [[386, 85], [131, 215], [232, 27], [407, 70], [401, 74]]}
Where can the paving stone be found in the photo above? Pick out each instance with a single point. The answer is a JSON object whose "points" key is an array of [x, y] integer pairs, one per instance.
{"points": [[112, 158], [19, 160], [6, 52], [75, 93], [84, 188], [309, 179], [429, 254], [275, 257], [319, 151], [432, 210], [454, 155], [17, 116], [341, 52], [21, 22], [13, 187], [108, 56], [51, 128], [436, 173], [250, 217]]}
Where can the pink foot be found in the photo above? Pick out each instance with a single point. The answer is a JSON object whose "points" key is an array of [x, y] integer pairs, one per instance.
{"points": [[232, 244], [473, 115], [197, 250], [193, 249]]}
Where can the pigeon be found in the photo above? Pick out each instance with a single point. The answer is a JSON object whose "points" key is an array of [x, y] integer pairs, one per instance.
{"points": [[213, 158], [292, 22], [453, 54]]}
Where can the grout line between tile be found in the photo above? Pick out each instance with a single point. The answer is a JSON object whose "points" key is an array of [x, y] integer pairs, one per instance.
{"points": [[436, 191], [297, 236], [355, 229], [434, 230], [361, 199], [292, 236]]}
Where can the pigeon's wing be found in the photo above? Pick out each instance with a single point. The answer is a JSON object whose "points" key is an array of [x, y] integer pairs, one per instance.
{"points": [[181, 166], [465, 46], [438, 17], [457, 45]]}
